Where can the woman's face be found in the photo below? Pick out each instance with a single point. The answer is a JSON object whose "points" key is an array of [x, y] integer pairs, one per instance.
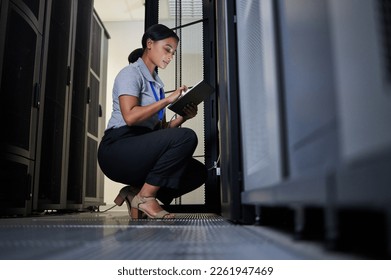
{"points": [[162, 52]]}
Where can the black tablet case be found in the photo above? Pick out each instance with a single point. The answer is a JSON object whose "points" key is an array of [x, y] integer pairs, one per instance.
{"points": [[196, 95]]}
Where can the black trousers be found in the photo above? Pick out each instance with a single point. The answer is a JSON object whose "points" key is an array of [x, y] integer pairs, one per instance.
{"points": [[138, 155]]}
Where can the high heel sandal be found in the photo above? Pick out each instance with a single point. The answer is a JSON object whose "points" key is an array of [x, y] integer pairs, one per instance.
{"points": [[126, 194], [138, 209]]}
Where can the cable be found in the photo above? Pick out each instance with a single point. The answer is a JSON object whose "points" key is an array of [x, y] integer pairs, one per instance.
{"points": [[107, 209], [215, 165], [169, 123]]}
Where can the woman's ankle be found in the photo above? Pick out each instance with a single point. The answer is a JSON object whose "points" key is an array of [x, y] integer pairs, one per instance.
{"points": [[148, 190]]}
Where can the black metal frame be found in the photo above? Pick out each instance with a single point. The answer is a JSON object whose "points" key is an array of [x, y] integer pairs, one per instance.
{"points": [[227, 80], [212, 187]]}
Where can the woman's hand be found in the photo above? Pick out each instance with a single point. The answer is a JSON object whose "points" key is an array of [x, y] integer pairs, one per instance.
{"points": [[190, 110], [176, 94]]}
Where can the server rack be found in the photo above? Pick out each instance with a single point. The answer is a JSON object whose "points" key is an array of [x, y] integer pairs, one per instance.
{"points": [[22, 72], [321, 81], [229, 117], [44, 95]]}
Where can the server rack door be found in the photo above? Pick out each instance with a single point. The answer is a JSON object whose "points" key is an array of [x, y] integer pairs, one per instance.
{"points": [[227, 81], [57, 102], [258, 94], [93, 192], [76, 180], [309, 87], [20, 87]]}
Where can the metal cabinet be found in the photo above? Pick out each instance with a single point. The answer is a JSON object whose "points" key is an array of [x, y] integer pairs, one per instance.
{"points": [[49, 100], [21, 71]]}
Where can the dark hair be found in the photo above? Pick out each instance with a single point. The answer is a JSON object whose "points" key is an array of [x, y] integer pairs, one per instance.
{"points": [[135, 55], [157, 32]]}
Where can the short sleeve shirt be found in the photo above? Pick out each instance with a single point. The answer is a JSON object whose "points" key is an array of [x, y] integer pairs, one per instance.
{"points": [[134, 80]]}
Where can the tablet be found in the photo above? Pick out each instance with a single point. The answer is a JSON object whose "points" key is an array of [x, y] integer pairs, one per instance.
{"points": [[196, 95]]}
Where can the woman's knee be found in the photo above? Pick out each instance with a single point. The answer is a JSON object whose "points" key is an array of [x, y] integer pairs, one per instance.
{"points": [[189, 135], [181, 137]]}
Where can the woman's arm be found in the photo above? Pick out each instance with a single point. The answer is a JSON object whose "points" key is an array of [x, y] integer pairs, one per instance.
{"points": [[133, 113], [190, 110]]}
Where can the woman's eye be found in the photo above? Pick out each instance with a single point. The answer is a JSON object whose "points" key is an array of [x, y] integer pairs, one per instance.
{"points": [[170, 51]]}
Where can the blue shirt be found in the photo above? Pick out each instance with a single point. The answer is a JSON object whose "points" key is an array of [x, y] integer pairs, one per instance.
{"points": [[134, 80]]}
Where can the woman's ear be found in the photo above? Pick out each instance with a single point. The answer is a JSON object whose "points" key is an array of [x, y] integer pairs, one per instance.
{"points": [[149, 43]]}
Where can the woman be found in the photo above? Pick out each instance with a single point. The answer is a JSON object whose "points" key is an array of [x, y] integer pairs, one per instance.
{"points": [[139, 147]]}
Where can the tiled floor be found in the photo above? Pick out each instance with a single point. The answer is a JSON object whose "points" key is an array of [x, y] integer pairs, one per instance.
{"points": [[112, 235]]}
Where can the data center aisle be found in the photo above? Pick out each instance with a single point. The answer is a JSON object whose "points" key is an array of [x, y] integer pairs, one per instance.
{"points": [[113, 236]]}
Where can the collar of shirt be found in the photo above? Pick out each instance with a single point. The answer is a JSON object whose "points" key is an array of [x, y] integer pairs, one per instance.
{"points": [[147, 75]]}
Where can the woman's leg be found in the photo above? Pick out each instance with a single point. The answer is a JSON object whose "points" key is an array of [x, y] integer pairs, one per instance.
{"points": [[158, 158], [194, 176], [146, 202], [153, 160], [178, 146], [175, 160]]}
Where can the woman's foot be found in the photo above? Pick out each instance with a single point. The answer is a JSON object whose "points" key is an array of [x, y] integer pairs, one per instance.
{"points": [[150, 207], [126, 194]]}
